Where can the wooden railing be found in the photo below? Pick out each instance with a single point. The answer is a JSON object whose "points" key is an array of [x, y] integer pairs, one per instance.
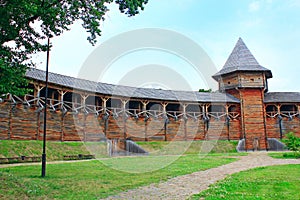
{"points": [[75, 108]]}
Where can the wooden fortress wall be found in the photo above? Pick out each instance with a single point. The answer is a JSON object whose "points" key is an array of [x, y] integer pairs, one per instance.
{"points": [[273, 128], [253, 115], [18, 122]]}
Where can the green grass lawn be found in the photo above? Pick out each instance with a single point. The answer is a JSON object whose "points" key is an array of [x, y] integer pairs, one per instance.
{"points": [[93, 179], [274, 182], [189, 147], [285, 155], [55, 150]]}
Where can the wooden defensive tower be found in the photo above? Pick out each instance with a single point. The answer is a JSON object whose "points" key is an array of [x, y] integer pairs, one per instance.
{"points": [[243, 77], [84, 110]]}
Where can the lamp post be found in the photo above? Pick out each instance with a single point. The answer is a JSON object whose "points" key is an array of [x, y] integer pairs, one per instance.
{"points": [[45, 115]]}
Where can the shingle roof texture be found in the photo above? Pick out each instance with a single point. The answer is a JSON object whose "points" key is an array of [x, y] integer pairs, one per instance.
{"points": [[131, 92], [282, 97], [241, 59]]}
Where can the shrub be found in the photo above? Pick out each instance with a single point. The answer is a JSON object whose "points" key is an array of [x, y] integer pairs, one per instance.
{"points": [[292, 142]]}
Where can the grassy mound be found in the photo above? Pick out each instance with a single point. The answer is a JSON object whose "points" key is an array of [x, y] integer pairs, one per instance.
{"points": [[189, 147], [55, 150]]}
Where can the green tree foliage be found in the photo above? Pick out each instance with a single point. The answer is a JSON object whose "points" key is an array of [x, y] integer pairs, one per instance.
{"points": [[204, 90], [20, 36], [292, 142]]}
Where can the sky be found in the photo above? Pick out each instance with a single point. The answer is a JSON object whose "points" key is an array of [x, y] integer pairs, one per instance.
{"points": [[269, 28]]}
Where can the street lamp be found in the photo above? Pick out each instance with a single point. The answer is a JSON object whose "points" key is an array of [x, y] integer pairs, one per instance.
{"points": [[45, 114]]}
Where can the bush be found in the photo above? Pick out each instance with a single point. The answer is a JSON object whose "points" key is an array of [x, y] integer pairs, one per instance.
{"points": [[292, 142]]}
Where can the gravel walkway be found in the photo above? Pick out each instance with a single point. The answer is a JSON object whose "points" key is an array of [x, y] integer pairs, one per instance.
{"points": [[182, 187]]}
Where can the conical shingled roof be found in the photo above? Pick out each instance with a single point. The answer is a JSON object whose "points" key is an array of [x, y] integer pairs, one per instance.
{"points": [[241, 59]]}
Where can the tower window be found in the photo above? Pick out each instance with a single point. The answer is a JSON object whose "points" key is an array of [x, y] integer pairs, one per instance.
{"points": [[228, 82], [252, 79]]}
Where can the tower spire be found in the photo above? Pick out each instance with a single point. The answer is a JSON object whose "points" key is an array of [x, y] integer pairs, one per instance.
{"points": [[241, 59], [240, 56]]}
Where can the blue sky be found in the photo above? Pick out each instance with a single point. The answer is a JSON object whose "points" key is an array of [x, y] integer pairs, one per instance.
{"points": [[270, 29]]}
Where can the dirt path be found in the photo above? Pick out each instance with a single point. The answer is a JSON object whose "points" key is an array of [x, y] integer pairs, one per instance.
{"points": [[182, 187]]}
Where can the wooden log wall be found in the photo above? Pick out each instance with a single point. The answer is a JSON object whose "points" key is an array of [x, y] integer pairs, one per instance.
{"points": [[70, 130], [155, 130], [217, 130], [253, 126], [245, 80], [292, 125], [94, 127], [273, 128], [136, 129], [5, 121], [115, 129], [235, 129], [251, 80], [195, 129], [19, 122], [54, 127], [175, 130], [26, 123]]}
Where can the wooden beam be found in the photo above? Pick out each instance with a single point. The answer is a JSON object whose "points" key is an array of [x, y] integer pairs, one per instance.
{"points": [[37, 89], [145, 103], [61, 94], [278, 108], [185, 121], [124, 102], [265, 119], [62, 124], [204, 113], [37, 125], [10, 132], [227, 125], [164, 105], [83, 98], [104, 101], [84, 128], [61, 97], [242, 123]]}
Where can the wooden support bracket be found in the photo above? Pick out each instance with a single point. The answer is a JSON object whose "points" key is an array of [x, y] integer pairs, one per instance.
{"points": [[84, 97], [278, 108], [124, 102], [37, 89], [164, 105], [104, 101]]}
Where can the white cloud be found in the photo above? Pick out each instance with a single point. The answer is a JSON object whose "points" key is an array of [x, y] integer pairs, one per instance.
{"points": [[294, 3], [254, 6]]}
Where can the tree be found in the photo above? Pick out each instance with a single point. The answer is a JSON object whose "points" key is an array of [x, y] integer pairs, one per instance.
{"points": [[204, 90], [20, 39], [292, 142]]}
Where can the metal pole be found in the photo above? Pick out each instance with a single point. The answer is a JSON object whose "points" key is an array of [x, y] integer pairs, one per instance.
{"points": [[45, 115]]}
